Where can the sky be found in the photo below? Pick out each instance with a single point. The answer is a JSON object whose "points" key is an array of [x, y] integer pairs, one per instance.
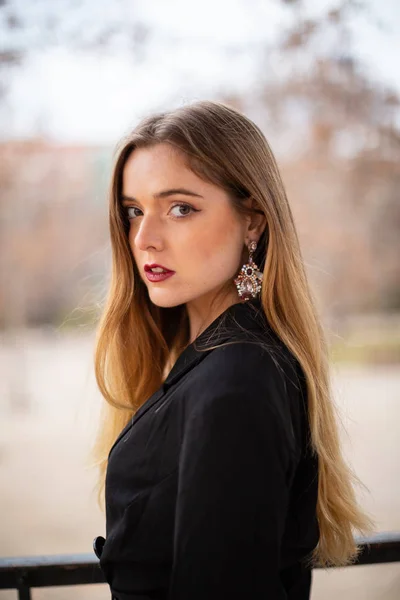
{"points": [[195, 50]]}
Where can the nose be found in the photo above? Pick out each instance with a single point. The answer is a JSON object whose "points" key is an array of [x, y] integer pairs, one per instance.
{"points": [[148, 234]]}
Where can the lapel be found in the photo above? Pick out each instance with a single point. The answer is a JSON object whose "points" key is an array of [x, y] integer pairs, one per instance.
{"points": [[234, 323]]}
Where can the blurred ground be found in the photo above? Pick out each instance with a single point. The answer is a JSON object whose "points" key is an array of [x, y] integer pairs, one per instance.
{"points": [[48, 411]]}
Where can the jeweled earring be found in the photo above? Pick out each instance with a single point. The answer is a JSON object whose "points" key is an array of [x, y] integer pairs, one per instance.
{"points": [[248, 282]]}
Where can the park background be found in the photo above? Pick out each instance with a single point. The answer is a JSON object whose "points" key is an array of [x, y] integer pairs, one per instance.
{"points": [[321, 78]]}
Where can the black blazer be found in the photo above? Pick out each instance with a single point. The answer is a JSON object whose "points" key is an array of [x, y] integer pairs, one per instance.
{"points": [[211, 488]]}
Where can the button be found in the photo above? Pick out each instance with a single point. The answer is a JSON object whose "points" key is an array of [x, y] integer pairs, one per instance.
{"points": [[98, 544]]}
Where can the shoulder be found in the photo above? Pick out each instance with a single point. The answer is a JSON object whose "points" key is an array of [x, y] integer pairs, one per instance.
{"points": [[249, 364], [251, 382]]}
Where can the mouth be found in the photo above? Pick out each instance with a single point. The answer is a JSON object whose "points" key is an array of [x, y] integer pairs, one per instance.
{"points": [[156, 273]]}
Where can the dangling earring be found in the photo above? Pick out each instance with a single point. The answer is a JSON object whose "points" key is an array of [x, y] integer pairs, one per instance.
{"points": [[248, 282]]}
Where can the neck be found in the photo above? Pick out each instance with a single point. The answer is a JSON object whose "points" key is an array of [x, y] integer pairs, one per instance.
{"points": [[204, 310]]}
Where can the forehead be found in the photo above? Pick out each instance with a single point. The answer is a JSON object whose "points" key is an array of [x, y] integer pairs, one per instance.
{"points": [[155, 166]]}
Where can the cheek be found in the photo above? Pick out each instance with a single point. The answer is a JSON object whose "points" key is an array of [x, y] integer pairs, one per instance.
{"points": [[133, 231], [131, 238], [217, 245]]}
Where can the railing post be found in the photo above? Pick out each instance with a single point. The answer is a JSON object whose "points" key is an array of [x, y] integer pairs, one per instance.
{"points": [[24, 591]]}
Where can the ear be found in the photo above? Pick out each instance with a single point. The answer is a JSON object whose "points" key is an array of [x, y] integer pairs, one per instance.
{"points": [[256, 222]]}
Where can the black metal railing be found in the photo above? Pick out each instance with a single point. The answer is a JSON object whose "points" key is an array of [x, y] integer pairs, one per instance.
{"points": [[24, 573]]}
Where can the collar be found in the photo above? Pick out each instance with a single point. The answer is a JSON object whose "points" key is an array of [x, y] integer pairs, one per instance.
{"points": [[239, 321]]}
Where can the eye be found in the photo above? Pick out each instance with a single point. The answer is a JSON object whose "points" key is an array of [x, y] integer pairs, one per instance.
{"points": [[130, 212], [185, 207]]}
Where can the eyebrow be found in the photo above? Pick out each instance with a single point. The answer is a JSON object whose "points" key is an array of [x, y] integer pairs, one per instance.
{"points": [[164, 194]]}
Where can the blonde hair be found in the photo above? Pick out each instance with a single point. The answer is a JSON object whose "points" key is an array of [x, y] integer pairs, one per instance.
{"points": [[138, 340]]}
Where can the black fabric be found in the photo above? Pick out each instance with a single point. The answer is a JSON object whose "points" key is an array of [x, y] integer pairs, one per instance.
{"points": [[211, 488]]}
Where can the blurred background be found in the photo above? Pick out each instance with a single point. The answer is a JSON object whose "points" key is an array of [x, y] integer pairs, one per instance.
{"points": [[321, 78]]}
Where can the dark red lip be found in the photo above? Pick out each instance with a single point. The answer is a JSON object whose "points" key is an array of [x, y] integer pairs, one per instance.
{"points": [[153, 265]]}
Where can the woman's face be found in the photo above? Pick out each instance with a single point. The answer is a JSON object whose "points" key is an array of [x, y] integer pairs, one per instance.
{"points": [[182, 223]]}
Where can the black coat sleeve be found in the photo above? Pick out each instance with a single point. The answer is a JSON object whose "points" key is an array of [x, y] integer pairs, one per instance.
{"points": [[235, 466]]}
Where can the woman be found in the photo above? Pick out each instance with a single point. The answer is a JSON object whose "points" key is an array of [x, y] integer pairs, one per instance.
{"points": [[224, 473]]}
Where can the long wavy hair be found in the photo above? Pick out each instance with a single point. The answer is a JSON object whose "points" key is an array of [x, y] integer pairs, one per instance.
{"points": [[137, 341]]}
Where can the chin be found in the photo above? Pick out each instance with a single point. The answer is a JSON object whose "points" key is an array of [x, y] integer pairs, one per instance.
{"points": [[165, 300]]}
